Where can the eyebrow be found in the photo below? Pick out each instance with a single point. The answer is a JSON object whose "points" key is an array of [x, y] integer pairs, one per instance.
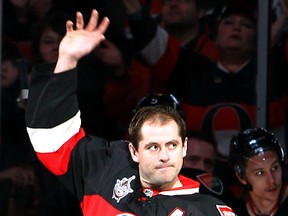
{"points": [[273, 163], [170, 141]]}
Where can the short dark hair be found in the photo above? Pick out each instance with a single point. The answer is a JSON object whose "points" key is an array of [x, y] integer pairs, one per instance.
{"points": [[162, 114]]}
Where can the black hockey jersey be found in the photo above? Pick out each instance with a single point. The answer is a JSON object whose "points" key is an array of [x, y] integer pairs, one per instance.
{"points": [[100, 173]]}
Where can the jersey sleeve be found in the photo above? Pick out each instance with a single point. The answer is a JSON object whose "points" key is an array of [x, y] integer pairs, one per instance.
{"points": [[54, 125], [52, 114]]}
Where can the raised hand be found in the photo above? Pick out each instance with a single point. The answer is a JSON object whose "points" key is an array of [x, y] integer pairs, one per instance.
{"points": [[80, 41]]}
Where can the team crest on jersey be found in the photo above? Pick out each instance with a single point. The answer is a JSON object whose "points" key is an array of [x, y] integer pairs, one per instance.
{"points": [[211, 182], [225, 210], [122, 188]]}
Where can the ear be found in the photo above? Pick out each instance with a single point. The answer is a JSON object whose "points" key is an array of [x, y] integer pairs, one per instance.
{"points": [[184, 153], [241, 179], [133, 152]]}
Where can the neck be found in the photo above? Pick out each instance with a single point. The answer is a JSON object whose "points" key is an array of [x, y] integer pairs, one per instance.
{"points": [[163, 187], [264, 206], [234, 56], [184, 34], [233, 62]]}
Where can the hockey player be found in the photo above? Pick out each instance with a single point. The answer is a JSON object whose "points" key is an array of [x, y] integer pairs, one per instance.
{"points": [[140, 177], [259, 161]]}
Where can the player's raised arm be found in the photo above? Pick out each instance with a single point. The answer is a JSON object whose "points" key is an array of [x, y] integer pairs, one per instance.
{"points": [[80, 40]]}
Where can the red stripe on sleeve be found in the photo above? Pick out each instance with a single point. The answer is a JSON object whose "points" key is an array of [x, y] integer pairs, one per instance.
{"points": [[57, 162]]}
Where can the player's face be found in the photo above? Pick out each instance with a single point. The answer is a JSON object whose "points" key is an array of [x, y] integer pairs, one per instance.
{"points": [[200, 155], [159, 155], [264, 174]]}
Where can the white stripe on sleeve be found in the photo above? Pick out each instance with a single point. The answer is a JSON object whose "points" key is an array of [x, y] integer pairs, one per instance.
{"points": [[51, 139]]}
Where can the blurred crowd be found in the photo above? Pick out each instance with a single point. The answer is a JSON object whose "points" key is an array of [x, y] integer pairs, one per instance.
{"points": [[204, 52]]}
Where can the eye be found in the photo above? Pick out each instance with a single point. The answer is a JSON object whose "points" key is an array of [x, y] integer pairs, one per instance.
{"points": [[227, 21], [247, 24], [172, 145], [194, 158], [48, 41], [275, 167], [153, 147], [259, 173]]}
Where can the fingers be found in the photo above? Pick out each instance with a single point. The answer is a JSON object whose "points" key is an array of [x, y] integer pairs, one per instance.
{"points": [[79, 21], [92, 24], [103, 25], [69, 26], [92, 21]]}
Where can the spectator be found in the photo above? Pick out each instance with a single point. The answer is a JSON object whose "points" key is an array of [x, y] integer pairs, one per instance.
{"points": [[115, 178], [218, 96], [183, 21], [259, 163], [202, 151], [19, 20], [46, 38]]}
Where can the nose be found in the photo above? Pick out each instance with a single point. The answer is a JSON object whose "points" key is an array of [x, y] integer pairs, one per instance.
{"points": [[164, 155], [237, 27], [56, 44], [200, 165], [270, 179]]}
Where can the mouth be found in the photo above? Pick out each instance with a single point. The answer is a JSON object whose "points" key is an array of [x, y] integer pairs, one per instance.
{"points": [[235, 36], [174, 13], [272, 190], [166, 167]]}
